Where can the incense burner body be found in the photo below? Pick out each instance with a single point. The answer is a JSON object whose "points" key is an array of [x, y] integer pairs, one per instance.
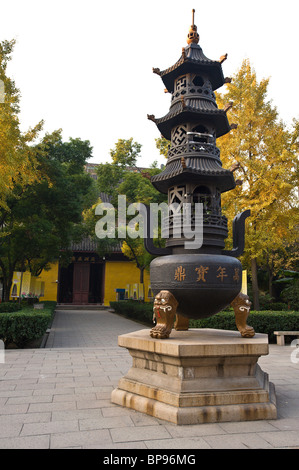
{"points": [[203, 284]]}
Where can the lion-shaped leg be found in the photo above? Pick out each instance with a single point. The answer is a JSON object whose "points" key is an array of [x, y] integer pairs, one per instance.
{"points": [[241, 305], [165, 306], [181, 323]]}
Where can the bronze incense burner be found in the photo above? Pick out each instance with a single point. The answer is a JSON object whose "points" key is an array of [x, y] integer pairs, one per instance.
{"points": [[205, 280]]}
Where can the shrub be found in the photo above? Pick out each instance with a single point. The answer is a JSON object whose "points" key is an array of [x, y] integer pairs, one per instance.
{"points": [[9, 307], [291, 295], [266, 301], [262, 321], [49, 304], [278, 307], [139, 311], [25, 325]]}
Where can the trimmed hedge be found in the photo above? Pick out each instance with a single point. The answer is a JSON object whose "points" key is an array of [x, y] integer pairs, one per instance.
{"points": [[25, 325], [9, 307], [262, 321], [135, 310], [265, 321]]}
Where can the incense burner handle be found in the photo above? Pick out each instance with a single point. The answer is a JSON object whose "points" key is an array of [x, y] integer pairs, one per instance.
{"points": [[148, 240], [238, 235]]}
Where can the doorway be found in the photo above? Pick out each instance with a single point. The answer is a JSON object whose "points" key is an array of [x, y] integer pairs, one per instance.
{"points": [[81, 283]]}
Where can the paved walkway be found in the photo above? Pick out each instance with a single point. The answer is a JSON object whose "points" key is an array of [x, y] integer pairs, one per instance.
{"points": [[59, 397]]}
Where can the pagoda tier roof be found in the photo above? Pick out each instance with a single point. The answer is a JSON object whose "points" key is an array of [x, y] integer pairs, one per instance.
{"points": [[193, 110], [193, 60], [197, 169]]}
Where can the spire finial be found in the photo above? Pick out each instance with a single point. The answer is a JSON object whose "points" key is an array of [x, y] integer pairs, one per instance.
{"points": [[193, 36]]}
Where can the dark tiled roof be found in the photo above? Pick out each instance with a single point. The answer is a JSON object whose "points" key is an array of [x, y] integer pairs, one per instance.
{"points": [[179, 114], [195, 57], [86, 244], [90, 245], [205, 167]]}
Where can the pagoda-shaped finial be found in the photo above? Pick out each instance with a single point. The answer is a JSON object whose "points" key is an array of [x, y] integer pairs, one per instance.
{"points": [[193, 36]]}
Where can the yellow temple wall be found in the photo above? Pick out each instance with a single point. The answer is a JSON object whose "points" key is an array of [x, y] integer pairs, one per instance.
{"points": [[50, 279], [120, 273], [29, 283]]}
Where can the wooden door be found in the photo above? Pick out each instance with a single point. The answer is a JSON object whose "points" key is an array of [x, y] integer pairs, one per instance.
{"points": [[81, 283]]}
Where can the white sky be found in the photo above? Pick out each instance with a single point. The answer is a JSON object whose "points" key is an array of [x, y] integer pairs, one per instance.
{"points": [[86, 66]]}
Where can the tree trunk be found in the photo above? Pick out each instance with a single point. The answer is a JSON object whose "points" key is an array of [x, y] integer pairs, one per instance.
{"points": [[270, 280], [7, 283], [255, 287], [141, 275]]}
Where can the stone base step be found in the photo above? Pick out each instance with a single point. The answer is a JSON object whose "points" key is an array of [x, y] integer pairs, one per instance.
{"points": [[81, 307]]}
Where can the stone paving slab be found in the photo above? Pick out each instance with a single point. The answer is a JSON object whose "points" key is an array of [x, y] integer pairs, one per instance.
{"points": [[58, 397]]}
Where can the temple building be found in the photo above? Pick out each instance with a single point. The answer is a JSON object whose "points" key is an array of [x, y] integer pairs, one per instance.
{"points": [[93, 280], [90, 278]]}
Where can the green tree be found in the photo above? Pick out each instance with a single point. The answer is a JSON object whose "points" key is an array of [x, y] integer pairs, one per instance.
{"points": [[40, 224], [124, 177], [138, 188], [124, 158], [125, 153], [264, 153]]}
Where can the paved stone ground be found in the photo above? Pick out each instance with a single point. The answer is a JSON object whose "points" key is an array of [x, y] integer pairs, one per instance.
{"points": [[59, 397]]}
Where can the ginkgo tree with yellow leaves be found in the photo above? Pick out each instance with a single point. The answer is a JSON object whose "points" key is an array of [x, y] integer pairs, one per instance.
{"points": [[17, 157], [264, 154]]}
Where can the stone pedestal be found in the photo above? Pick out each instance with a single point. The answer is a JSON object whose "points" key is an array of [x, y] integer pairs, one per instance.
{"points": [[197, 376]]}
